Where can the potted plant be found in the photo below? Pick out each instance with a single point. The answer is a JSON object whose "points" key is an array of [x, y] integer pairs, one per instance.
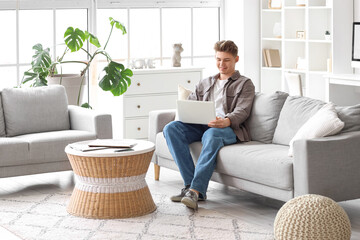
{"points": [[116, 77]]}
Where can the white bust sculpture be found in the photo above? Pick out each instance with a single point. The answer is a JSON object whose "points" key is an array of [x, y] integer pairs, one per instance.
{"points": [[176, 59]]}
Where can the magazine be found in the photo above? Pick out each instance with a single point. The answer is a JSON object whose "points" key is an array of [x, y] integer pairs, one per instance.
{"points": [[112, 143], [84, 147]]}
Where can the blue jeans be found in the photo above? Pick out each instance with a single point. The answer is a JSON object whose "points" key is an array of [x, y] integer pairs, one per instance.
{"points": [[179, 135]]}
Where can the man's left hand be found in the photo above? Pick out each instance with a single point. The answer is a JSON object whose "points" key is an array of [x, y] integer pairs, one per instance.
{"points": [[220, 123]]}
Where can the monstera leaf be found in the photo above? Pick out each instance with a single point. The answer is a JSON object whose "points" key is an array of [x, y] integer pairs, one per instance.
{"points": [[117, 24], [41, 60], [92, 39], [74, 39], [116, 78], [38, 79], [40, 67]]}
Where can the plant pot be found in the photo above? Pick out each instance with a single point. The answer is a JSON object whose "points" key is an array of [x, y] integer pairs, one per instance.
{"points": [[72, 84]]}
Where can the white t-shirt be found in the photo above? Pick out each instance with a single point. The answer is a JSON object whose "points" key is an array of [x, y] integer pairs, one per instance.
{"points": [[217, 97]]}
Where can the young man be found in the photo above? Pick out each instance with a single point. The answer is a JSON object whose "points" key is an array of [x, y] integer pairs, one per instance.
{"points": [[233, 95]]}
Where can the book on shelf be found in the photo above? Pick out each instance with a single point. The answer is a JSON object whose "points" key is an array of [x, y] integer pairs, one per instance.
{"points": [[265, 58], [272, 57]]}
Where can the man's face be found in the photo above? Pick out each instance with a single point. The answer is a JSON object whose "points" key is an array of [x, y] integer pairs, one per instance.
{"points": [[225, 62]]}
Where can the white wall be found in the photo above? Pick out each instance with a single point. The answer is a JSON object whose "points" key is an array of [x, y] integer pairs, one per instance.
{"points": [[357, 16], [356, 10], [242, 25]]}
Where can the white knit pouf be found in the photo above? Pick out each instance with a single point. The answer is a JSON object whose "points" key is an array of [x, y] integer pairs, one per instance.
{"points": [[310, 217]]}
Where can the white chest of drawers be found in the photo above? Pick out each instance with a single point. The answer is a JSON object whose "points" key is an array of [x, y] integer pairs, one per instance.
{"points": [[153, 89]]}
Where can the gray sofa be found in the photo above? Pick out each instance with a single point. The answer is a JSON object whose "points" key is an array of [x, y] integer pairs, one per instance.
{"points": [[327, 166], [35, 126]]}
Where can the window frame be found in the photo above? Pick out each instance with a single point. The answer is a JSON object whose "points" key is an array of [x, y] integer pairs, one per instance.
{"points": [[92, 5]]}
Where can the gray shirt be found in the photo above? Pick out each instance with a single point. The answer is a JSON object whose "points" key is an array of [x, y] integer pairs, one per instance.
{"points": [[239, 93]]}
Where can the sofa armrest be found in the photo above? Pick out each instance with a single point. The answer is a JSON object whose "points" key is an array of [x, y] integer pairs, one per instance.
{"points": [[157, 121], [328, 166], [90, 120]]}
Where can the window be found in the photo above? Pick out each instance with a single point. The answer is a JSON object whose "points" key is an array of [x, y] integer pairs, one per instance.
{"points": [[153, 27], [8, 53]]}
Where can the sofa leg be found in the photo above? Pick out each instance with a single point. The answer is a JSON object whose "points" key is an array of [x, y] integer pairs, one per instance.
{"points": [[157, 171]]}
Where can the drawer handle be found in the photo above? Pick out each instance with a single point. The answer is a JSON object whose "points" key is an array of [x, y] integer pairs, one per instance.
{"points": [[139, 128], [138, 106], [189, 81], [138, 84]]}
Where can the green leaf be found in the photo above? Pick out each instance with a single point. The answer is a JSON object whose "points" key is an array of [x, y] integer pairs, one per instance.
{"points": [[40, 81], [126, 74], [92, 39], [118, 25], [74, 39], [28, 76], [116, 78], [116, 91], [41, 60], [86, 105], [105, 54], [105, 83]]}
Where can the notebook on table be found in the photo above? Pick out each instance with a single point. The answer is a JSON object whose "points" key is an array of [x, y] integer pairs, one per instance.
{"points": [[196, 112]]}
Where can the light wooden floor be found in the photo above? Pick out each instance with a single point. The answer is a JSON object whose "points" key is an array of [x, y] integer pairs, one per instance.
{"points": [[250, 207]]}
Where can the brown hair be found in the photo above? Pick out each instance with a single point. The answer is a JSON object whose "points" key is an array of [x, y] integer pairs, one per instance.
{"points": [[226, 46]]}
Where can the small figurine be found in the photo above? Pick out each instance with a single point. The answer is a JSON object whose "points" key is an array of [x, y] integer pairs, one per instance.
{"points": [[139, 63], [150, 63], [176, 59]]}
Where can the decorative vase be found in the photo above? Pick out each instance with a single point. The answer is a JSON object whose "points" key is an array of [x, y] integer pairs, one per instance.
{"points": [[176, 58], [73, 85]]}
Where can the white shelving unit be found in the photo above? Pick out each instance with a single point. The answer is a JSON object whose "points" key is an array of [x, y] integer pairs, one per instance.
{"points": [[316, 17]]}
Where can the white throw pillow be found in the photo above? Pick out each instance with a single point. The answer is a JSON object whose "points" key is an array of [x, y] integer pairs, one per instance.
{"points": [[183, 93], [325, 122]]}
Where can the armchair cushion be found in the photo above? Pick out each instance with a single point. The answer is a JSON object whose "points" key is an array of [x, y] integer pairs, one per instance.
{"points": [[89, 120], [49, 146], [38, 109], [13, 151]]}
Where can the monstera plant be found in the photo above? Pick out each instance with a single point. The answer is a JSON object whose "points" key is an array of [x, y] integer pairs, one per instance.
{"points": [[116, 77]]}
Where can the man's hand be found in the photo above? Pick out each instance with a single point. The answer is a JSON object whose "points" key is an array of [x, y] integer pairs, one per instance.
{"points": [[220, 123]]}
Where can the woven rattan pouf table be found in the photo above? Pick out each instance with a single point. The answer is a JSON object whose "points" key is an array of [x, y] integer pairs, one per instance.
{"points": [[111, 184]]}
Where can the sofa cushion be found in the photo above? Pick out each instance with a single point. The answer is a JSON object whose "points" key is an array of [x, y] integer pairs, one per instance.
{"points": [[266, 164], [2, 120], [295, 112], [49, 146], [13, 151], [325, 122], [350, 115], [264, 115], [38, 109]]}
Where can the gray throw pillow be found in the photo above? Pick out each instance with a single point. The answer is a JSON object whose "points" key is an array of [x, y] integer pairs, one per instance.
{"points": [[2, 120], [350, 115], [295, 112], [38, 109], [264, 115]]}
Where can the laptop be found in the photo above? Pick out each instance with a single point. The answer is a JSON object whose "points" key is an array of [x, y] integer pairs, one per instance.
{"points": [[196, 112]]}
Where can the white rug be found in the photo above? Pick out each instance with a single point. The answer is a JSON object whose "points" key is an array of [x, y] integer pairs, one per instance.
{"points": [[44, 216]]}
